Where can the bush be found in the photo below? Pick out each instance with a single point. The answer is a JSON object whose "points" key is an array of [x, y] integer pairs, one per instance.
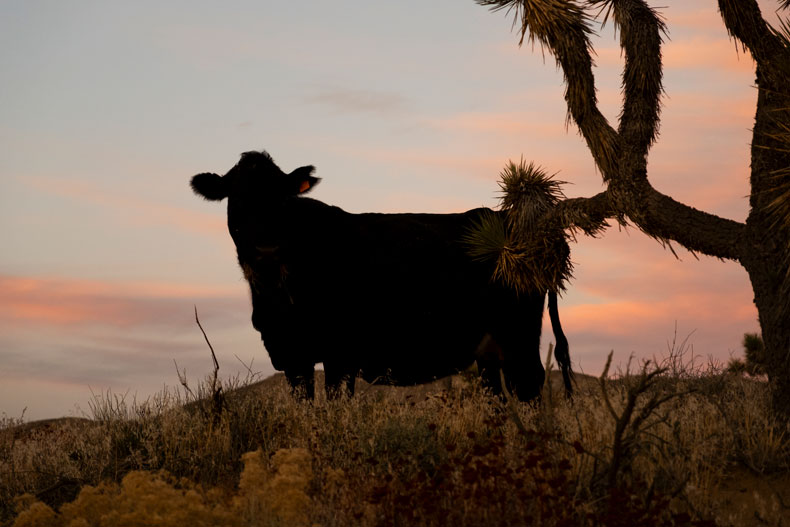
{"points": [[755, 360]]}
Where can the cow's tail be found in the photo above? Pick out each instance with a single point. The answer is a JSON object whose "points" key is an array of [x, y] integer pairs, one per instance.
{"points": [[561, 353]]}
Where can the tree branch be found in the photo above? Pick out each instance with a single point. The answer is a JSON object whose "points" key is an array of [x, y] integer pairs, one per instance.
{"points": [[745, 23], [640, 37], [563, 27], [666, 219], [586, 214], [661, 217]]}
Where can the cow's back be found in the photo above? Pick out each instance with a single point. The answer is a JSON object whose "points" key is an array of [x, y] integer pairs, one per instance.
{"points": [[398, 294]]}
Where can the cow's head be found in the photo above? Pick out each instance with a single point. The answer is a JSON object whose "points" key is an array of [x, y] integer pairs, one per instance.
{"points": [[256, 179], [258, 195], [260, 220]]}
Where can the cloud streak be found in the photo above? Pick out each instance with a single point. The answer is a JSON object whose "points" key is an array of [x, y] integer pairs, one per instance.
{"points": [[65, 335], [629, 294], [133, 211], [346, 100], [50, 301], [696, 53]]}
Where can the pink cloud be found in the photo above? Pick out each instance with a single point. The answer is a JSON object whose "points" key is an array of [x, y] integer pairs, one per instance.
{"points": [[696, 52], [423, 157], [708, 18], [396, 202], [134, 210], [706, 53], [701, 306], [499, 123], [629, 293], [700, 20], [347, 100], [51, 301], [608, 318], [702, 155], [732, 109]]}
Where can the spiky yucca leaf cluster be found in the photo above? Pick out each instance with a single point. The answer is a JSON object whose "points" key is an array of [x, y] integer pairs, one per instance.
{"points": [[529, 255], [549, 20], [528, 192], [488, 237]]}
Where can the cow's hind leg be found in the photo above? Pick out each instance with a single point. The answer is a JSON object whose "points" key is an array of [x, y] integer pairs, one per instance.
{"points": [[517, 328], [518, 359], [523, 371], [525, 381], [302, 381]]}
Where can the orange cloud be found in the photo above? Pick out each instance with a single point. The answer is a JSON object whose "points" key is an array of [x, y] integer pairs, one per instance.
{"points": [[627, 317], [629, 293], [64, 302], [708, 19], [701, 20], [697, 52], [686, 109], [706, 53], [615, 318]]}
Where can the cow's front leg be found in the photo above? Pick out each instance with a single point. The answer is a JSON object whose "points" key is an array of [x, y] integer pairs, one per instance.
{"points": [[489, 363], [302, 381]]}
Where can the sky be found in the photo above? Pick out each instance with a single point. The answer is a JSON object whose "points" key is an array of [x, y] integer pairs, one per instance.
{"points": [[108, 108]]}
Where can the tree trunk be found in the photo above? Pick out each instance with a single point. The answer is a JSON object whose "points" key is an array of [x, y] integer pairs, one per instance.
{"points": [[767, 245], [771, 305]]}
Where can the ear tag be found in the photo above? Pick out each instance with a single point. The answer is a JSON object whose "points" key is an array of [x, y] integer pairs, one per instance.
{"points": [[304, 187]]}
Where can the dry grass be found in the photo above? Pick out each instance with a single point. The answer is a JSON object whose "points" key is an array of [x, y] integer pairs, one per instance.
{"points": [[667, 444]]}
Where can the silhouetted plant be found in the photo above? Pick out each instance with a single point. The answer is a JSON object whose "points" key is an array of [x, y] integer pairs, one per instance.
{"points": [[754, 362]]}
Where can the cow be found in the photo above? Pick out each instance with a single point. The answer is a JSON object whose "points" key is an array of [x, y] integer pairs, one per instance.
{"points": [[394, 298]]}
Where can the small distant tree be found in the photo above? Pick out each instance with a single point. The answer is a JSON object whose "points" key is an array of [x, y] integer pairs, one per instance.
{"points": [[761, 244], [753, 362]]}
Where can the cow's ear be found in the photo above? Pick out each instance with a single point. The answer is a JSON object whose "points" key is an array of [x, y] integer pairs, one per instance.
{"points": [[303, 180], [211, 186]]}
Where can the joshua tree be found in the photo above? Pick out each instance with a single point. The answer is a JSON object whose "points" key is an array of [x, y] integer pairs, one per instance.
{"points": [[754, 361], [761, 244]]}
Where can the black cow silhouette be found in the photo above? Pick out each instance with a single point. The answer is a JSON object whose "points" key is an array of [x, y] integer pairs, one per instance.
{"points": [[394, 297]]}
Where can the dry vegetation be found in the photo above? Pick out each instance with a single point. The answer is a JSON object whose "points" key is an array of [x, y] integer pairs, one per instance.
{"points": [[667, 444]]}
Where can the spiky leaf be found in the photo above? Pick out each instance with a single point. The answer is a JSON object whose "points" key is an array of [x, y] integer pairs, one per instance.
{"points": [[487, 237], [528, 253], [528, 192]]}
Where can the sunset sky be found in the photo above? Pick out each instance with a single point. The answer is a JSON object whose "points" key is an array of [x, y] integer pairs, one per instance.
{"points": [[108, 108]]}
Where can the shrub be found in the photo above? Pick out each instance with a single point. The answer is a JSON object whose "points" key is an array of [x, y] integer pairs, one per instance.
{"points": [[755, 360]]}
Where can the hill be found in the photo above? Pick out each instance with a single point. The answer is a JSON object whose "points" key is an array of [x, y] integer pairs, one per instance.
{"points": [[647, 448]]}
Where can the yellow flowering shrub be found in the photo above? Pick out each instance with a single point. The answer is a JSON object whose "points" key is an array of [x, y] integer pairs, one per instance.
{"points": [[34, 513], [265, 498], [278, 498]]}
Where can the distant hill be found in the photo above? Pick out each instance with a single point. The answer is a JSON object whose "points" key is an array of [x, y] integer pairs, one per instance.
{"points": [[278, 382]]}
